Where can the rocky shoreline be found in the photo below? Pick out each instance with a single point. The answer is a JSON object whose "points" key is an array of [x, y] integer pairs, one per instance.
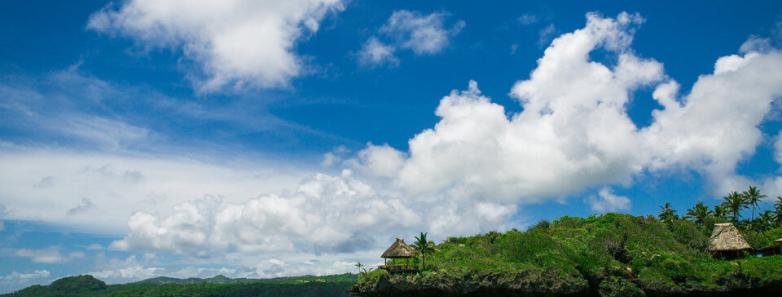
{"points": [[549, 283]]}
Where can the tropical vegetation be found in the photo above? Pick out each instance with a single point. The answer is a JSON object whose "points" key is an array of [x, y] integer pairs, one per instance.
{"points": [[423, 247], [602, 255]]}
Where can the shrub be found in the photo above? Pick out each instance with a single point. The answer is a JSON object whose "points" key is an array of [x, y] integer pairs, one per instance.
{"points": [[619, 287]]}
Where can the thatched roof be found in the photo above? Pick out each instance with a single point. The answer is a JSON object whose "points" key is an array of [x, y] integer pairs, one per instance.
{"points": [[727, 237], [399, 249], [778, 240]]}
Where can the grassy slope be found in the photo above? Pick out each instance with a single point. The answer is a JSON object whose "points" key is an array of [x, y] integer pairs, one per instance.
{"points": [[87, 286], [611, 255]]}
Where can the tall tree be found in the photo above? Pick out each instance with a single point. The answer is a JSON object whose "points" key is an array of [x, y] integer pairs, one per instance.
{"points": [[720, 212], [423, 246], [667, 213], [778, 212], [359, 266], [751, 197], [766, 219], [699, 213], [734, 202]]}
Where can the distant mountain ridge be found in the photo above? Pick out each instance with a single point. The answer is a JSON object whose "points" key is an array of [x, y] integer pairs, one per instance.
{"points": [[220, 285], [219, 279], [222, 279]]}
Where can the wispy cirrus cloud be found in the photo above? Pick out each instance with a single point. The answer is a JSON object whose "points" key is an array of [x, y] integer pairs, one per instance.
{"points": [[72, 108]]}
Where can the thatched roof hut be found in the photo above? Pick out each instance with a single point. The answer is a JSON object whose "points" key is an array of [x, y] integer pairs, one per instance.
{"points": [[399, 249], [727, 238], [778, 240]]}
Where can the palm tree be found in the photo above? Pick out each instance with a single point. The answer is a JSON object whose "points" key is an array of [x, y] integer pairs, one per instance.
{"points": [[423, 247], [751, 197], [493, 236], [699, 213], [778, 211], [734, 202], [359, 266], [720, 212], [766, 220], [667, 213]]}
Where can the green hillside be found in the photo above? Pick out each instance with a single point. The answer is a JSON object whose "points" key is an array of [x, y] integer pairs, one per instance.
{"points": [[220, 286], [609, 255]]}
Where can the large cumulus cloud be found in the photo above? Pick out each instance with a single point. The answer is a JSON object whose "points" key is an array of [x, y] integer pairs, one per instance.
{"points": [[330, 213], [574, 132]]}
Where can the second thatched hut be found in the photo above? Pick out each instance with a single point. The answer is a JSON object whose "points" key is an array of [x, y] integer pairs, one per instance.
{"points": [[727, 242]]}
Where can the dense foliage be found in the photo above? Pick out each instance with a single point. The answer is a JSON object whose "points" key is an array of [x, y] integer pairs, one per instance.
{"points": [[609, 255], [759, 230], [88, 286]]}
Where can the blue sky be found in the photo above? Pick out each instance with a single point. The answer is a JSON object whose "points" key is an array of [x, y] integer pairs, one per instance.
{"points": [[144, 138]]}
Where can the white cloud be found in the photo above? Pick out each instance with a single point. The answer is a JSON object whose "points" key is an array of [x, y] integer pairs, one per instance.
{"points": [[716, 125], [574, 132], [335, 156], [607, 201], [50, 255], [544, 35], [528, 19], [230, 264], [326, 212], [772, 185], [3, 214], [375, 52], [14, 280], [256, 211], [422, 34], [84, 205], [109, 133], [378, 160], [119, 184], [235, 44], [778, 148], [756, 44], [57, 107], [95, 247], [22, 277], [129, 269]]}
